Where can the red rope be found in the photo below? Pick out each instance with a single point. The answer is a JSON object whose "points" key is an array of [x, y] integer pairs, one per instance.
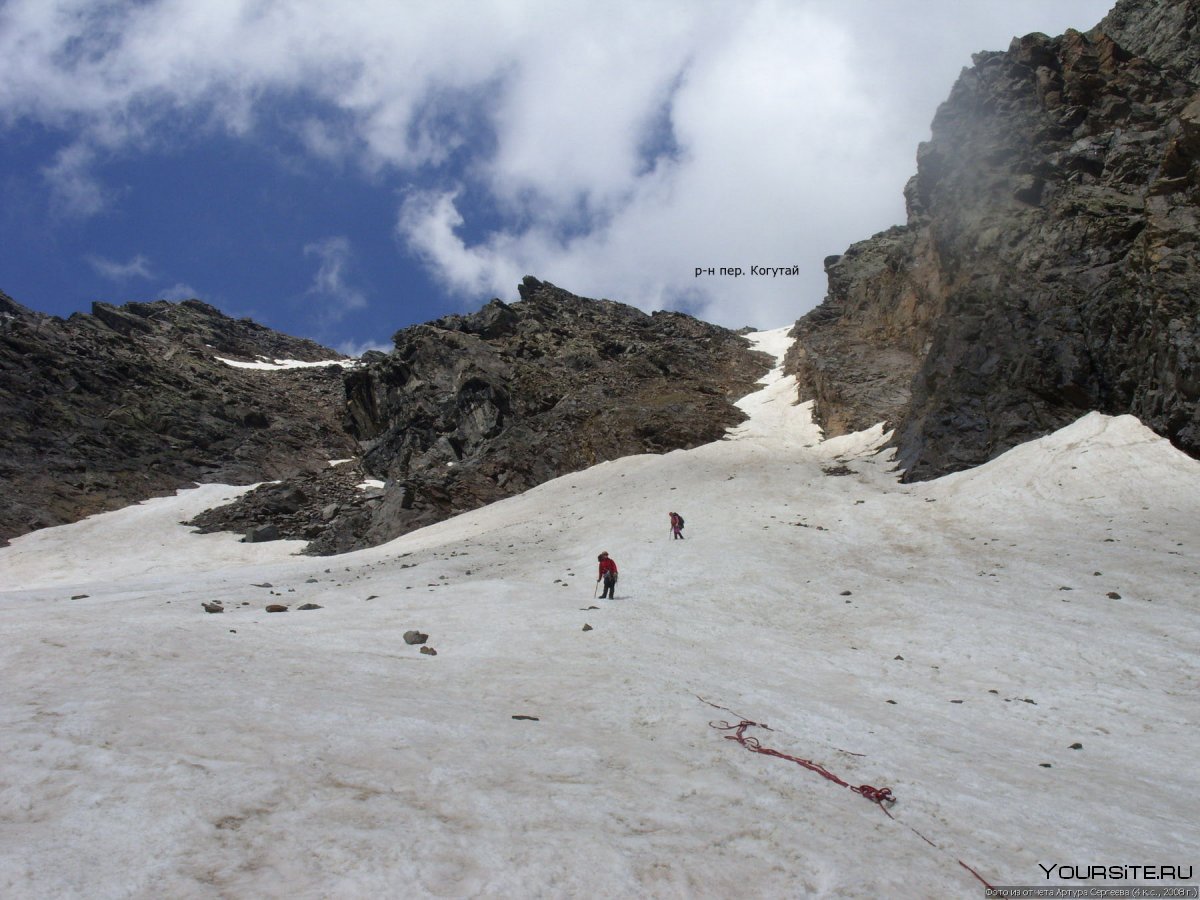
{"points": [[874, 794], [878, 796], [730, 711], [976, 874]]}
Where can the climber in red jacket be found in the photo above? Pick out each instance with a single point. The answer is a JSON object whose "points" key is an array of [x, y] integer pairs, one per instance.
{"points": [[608, 572], [677, 526]]}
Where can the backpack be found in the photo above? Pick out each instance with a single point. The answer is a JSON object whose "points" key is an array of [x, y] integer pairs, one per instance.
{"points": [[680, 518]]}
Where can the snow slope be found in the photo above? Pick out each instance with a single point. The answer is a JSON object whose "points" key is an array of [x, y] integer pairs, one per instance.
{"points": [[948, 640], [272, 365]]}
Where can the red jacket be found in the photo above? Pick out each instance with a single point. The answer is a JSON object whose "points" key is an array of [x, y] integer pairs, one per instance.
{"points": [[607, 565]]}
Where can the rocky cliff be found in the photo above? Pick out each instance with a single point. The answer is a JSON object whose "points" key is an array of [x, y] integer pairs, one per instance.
{"points": [[469, 409], [106, 409], [1049, 265]]}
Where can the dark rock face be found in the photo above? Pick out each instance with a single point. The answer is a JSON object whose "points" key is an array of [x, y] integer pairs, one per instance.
{"points": [[473, 408], [858, 351], [130, 402], [1163, 31], [1050, 264]]}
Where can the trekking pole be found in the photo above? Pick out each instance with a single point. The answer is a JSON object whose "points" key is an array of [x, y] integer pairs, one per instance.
{"points": [[596, 588]]}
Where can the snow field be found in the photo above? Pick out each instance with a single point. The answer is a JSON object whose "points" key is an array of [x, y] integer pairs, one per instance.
{"points": [[150, 749]]}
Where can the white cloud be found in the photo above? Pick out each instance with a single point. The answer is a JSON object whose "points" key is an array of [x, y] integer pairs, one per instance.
{"points": [[179, 291], [74, 191], [747, 188], [327, 142], [329, 284], [521, 128], [428, 224], [137, 267]]}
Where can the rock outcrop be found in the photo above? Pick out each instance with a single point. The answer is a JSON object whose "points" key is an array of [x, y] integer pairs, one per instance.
{"points": [[470, 409], [129, 402], [1050, 264]]}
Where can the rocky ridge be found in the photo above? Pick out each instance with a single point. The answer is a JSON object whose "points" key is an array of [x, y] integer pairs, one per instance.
{"points": [[130, 402], [470, 409], [125, 403], [1049, 265]]}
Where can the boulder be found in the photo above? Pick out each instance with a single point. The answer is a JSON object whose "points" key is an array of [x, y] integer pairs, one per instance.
{"points": [[261, 534]]}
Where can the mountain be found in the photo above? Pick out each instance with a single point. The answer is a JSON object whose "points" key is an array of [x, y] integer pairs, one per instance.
{"points": [[1050, 264], [839, 684], [130, 402], [1011, 650], [108, 408], [469, 409]]}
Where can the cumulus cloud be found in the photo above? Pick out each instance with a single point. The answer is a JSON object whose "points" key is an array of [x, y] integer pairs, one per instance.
{"points": [[429, 224], [748, 184], [612, 148], [329, 284]]}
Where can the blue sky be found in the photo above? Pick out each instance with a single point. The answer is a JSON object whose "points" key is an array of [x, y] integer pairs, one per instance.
{"points": [[340, 171]]}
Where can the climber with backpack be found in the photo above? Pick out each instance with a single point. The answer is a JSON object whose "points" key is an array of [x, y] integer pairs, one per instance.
{"points": [[608, 572], [677, 526]]}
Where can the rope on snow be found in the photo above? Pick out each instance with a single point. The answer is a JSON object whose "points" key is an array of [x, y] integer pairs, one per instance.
{"points": [[874, 794], [878, 796]]}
